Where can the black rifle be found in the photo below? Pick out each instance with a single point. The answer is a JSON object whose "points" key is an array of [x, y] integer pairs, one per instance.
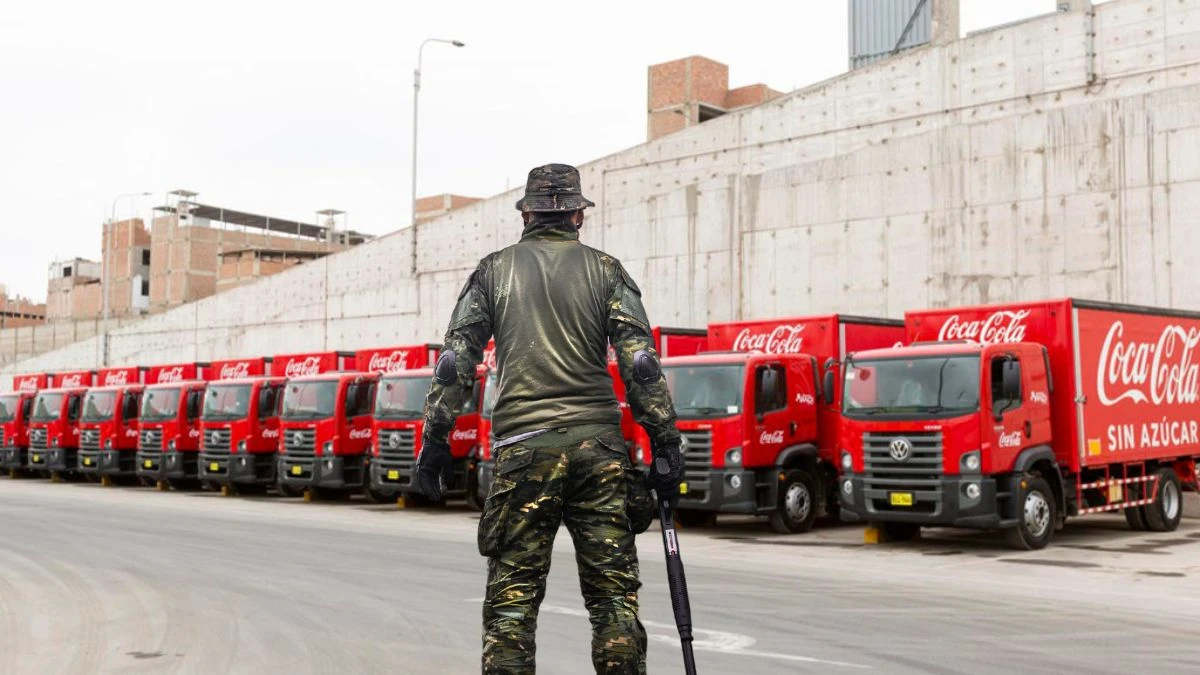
{"points": [[675, 576]]}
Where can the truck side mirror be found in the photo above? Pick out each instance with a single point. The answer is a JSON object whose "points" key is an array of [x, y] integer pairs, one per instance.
{"points": [[827, 387]]}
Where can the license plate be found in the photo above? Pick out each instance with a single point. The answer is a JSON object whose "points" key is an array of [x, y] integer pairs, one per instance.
{"points": [[37, 458], [393, 475], [147, 464], [296, 470], [214, 467], [683, 488], [87, 461], [901, 498]]}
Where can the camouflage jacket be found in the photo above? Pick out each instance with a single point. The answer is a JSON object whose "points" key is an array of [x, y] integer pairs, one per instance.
{"points": [[554, 306]]}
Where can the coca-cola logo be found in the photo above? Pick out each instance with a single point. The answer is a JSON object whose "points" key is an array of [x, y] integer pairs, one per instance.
{"points": [[131, 433], [489, 357], [1010, 440], [805, 399], [270, 433], [389, 363], [358, 434], [28, 384], [783, 339], [174, 374], [234, 371], [71, 380], [193, 433], [1161, 372], [309, 365], [464, 434], [1000, 327], [1039, 397], [771, 437], [116, 378]]}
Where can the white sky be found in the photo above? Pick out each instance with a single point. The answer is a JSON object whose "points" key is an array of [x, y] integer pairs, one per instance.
{"points": [[285, 108]]}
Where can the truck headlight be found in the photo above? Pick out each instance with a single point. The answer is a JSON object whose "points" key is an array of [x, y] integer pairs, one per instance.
{"points": [[241, 446], [733, 457], [171, 445], [847, 462], [328, 449], [970, 461]]}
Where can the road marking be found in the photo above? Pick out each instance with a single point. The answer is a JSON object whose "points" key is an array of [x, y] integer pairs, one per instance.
{"points": [[706, 640]]}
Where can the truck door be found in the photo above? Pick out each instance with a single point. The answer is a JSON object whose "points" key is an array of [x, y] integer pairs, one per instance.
{"points": [[268, 411], [802, 400], [130, 406], [770, 408], [359, 396], [1011, 427]]}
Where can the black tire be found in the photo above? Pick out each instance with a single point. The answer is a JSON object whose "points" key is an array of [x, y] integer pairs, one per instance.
{"points": [[694, 518], [900, 531], [1135, 516], [796, 509], [1164, 513], [291, 491], [1037, 513]]}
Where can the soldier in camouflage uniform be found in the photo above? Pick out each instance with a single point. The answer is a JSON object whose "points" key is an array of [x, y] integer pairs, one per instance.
{"points": [[554, 306]]}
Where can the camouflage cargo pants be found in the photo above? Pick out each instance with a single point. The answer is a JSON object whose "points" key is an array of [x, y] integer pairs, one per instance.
{"points": [[584, 485]]}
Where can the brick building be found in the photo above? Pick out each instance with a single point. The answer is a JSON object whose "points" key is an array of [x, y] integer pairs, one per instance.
{"points": [[693, 90], [18, 312], [432, 207]]}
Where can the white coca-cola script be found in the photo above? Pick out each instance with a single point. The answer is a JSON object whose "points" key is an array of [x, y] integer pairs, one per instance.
{"points": [[464, 434], [309, 365], [389, 363], [1160, 372], [1010, 440], [1002, 326], [783, 339], [234, 371], [1039, 397], [805, 399], [359, 434], [270, 433], [171, 375], [115, 378], [71, 380], [28, 384], [489, 358], [771, 437]]}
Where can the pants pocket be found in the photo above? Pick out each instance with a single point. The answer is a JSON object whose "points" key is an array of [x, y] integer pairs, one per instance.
{"points": [[639, 503], [494, 523]]}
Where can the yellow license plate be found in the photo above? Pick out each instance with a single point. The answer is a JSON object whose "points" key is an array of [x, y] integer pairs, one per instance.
{"points": [[901, 498], [37, 458], [393, 475], [683, 488], [147, 464], [214, 467], [296, 470], [87, 461]]}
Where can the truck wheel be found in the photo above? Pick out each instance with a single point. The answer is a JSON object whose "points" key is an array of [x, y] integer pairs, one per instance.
{"points": [[899, 531], [1163, 514], [1036, 515], [797, 507], [1135, 516]]}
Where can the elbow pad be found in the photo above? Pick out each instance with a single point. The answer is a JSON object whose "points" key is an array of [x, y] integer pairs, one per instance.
{"points": [[445, 372], [645, 368]]}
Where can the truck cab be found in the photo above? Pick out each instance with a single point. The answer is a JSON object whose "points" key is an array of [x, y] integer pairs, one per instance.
{"points": [[108, 435], [325, 431], [169, 446], [54, 430], [398, 425], [16, 408], [240, 433]]}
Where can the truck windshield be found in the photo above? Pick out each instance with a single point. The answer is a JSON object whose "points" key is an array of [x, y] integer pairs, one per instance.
{"points": [[401, 397], [226, 402], [935, 385], [99, 406], [160, 404], [704, 391], [309, 400], [489, 396], [47, 407], [8, 408]]}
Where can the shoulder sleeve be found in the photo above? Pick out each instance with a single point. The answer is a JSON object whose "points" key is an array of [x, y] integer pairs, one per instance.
{"points": [[625, 298]]}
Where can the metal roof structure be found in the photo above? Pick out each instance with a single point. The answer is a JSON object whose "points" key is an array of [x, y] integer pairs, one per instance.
{"points": [[286, 226]]}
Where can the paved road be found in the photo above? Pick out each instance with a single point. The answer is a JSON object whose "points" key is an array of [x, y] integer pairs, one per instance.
{"points": [[130, 580]]}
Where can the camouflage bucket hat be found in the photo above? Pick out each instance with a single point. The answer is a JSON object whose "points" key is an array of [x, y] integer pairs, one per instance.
{"points": [[553, 187]]}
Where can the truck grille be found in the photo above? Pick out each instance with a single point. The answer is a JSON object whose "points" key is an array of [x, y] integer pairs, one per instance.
{"points": [[151, 439], [300, 443], [698, 450], [920, 472], [397, 445], [89, 439], [216, 441], [37, 439]]}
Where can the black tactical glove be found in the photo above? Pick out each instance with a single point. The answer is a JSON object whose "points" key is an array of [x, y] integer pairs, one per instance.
{"points": [[666, 471], [434, 469]]}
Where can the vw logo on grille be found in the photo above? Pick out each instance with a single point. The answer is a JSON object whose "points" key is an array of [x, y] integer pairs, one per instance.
{"points": [[394, 441], [298, 438], [900, 449]]}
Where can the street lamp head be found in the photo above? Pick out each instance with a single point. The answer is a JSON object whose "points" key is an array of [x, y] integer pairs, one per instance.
{"points": [[458, 43]]}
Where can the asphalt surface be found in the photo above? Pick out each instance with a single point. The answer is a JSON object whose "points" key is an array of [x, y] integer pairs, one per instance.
{"points": [[130, 580]]}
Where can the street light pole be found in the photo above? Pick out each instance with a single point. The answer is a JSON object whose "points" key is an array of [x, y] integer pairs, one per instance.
{"points": [[106, 264], [416, 98]]}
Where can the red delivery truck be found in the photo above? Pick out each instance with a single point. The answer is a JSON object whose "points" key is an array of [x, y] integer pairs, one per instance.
{"points": [[54, 425], [325, 423], [239, 426], [1018, 416], [16, 407], [108, 436], [759, 416], [169, 425]]}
